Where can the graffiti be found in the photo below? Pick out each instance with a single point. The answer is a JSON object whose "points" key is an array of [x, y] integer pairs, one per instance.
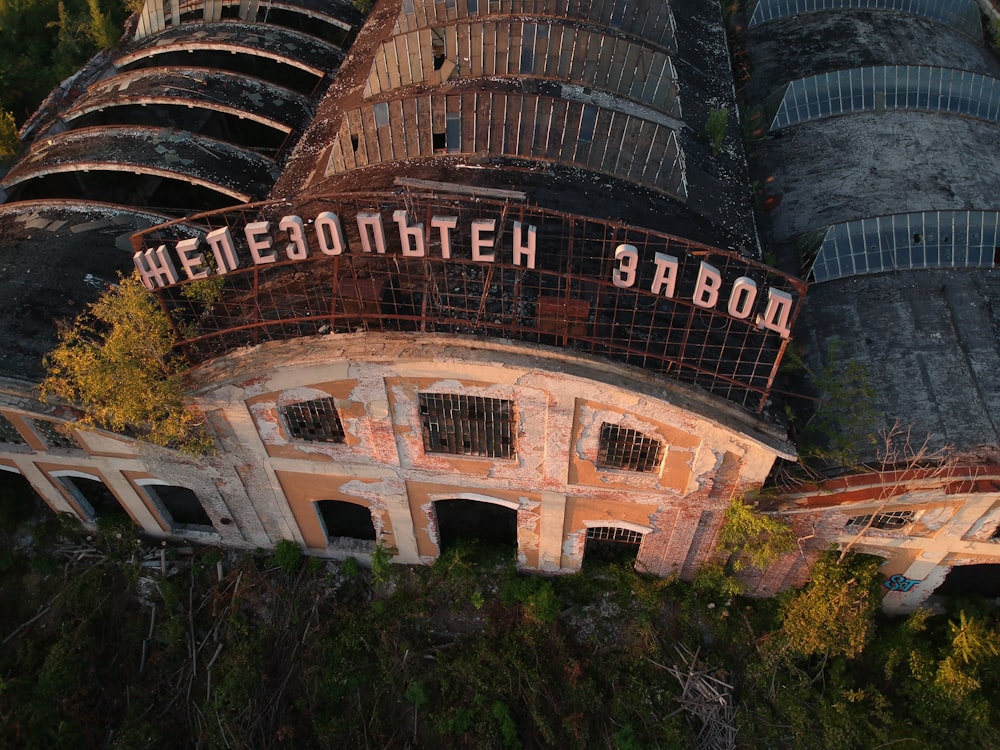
{"points": [[900, 582]]}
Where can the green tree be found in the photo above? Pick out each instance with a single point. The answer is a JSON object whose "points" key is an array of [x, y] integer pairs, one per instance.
{"points": [[118, 363], [10, 144], [749, 536], [834, 615]]}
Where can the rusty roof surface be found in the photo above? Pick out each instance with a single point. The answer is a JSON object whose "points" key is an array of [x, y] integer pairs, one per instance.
{"points": [[520, 130], [54, 259], [239, 173], [217, 90]]}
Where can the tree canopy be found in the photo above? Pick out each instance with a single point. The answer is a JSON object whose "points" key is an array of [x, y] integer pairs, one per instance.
{"points": [[117, 362]]}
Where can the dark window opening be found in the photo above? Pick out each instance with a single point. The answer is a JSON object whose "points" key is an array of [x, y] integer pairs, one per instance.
{"points": [[93, 497], [439, 141], [18, 499], [316, 421], [890, 521], [56, 436], [975, 580], [354, 142], [343, 519], [587, 122], [610, 545], [464, 521], [182, 505], [467, 425], [629, 450], [9, 433]]}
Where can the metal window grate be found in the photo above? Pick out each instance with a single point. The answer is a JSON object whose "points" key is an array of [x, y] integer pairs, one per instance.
{"points": [[316, 421], [467, 425], [9, 433], [614, 534], [631, 450], [895, 519], [56, 436]]}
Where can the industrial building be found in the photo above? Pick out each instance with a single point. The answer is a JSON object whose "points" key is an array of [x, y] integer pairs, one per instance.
{"points": [[496, 273]]}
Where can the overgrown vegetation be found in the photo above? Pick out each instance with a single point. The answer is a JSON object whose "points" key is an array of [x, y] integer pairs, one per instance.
{"points": [[716, 126], [101, 651], [750, 537], [42, 42], [118, 363], [838, 428]]}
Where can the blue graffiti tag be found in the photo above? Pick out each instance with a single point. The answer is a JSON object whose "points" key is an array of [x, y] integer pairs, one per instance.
{"points": [[900, 582]]}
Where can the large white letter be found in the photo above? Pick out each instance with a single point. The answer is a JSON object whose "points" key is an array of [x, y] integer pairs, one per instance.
{"points": [[411, 238], [445, 224], [193, 263], [520, 249], [779, 309], [259, 239], [742, 297], [479, 242], [221, 242], [155, 267], [296, 249], [370, 224], [331, 236], [628, 260], [666, 274], [706, 289]]}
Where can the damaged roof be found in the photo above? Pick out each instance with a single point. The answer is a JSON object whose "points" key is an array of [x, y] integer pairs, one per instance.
{"points": [[516, 94]]}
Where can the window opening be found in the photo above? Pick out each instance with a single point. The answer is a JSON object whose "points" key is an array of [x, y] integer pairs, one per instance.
{"points": [[56, 436], [890, 521], [611, 545], [343, 519], [182, 506], [381, 110], [454, 132], [316, 421], [9, 433], [93, 497], [437, 48], [629, 450], [439, 141], [587, 121], [467, 425], [475, 522]]}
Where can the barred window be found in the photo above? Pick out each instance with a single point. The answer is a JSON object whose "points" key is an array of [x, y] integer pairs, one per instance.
{"points": [[630, 450], [614, 534], [55, 435], [467, 425], [316, 421], [9, 433], [895, 519]]}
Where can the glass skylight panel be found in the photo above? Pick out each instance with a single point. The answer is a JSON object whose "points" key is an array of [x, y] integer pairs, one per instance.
{"points": [[891, 87], [960, 14], [930, 239]]}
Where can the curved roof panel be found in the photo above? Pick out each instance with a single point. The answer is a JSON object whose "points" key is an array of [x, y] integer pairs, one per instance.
{"points": [[961, 14], [215, 165], [844, 168], [518, 47], [220, 91], [889, 87], [533, 127], [929, 239], [652, 22], [290, 48]]}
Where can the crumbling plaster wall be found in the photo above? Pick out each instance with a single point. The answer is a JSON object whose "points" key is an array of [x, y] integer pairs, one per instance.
{"points": [[560, 400]]}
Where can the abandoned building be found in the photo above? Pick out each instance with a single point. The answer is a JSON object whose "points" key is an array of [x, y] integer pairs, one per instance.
{"points": [[495, 272]]}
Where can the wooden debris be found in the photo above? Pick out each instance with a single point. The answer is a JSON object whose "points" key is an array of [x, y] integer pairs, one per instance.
{"points": [[707, 699]]}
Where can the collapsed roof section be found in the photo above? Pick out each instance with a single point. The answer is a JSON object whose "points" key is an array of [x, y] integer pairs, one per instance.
{"points": [[199, 111], [617, 94]]}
